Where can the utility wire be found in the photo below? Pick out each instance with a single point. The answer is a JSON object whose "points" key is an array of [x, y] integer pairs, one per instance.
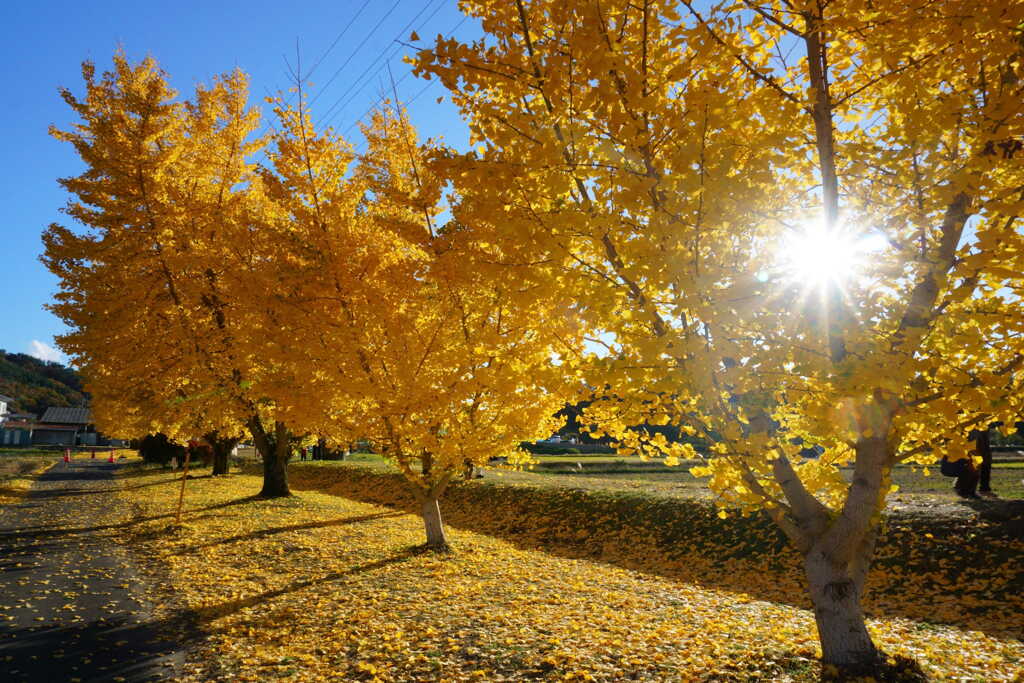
{"points": [[361, 145], [358, 82], [356, 51], [380, 99], [338, 37], [269, 125]]}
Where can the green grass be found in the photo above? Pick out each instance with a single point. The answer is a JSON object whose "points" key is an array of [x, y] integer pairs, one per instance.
{"points": [[620, 473], [30, 452], [624, 473], [1006, 480]]}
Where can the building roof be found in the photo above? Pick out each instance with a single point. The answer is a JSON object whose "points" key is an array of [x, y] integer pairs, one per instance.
{"points": [[6, 399], [55, 428], [16, 424], [70, 416]]}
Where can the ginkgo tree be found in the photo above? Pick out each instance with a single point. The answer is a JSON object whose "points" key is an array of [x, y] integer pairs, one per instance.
{"points": [[394, 330], [144, 289], [677, 160]]}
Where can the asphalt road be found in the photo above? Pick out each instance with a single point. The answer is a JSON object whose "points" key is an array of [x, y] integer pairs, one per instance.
{"points": [[72, 606]]}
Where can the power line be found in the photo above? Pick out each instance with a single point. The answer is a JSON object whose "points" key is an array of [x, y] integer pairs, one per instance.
{"points": [[415, 97], [358, 81], [338, 37], [404, 76], [356, 51], [269, 125]]}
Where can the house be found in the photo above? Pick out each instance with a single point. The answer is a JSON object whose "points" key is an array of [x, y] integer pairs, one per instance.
{"points": [[16, 432], [65, 427], [5, 403]]}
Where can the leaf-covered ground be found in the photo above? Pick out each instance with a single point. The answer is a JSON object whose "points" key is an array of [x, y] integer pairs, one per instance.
{"points": [[322, 587]]}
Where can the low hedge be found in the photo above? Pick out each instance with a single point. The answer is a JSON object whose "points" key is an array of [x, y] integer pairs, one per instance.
{"points": [[566, 448]]}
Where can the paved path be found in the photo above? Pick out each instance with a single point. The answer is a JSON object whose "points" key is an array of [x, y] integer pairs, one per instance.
{"points": [[72, 607]]}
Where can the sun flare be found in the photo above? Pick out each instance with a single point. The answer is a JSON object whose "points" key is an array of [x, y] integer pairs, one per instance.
{"points": [[815, 256]]}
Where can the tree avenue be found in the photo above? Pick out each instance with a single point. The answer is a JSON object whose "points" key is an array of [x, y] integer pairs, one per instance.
{"points": [[677, 161], [788, 228]]}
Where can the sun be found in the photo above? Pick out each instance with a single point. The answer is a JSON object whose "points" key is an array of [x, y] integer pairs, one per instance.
{"points": [[815, 257]]}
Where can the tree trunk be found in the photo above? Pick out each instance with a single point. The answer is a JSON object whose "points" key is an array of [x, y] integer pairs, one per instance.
{"points": [[275, 477], [836, 594], [431, 510], [222, 447], [837, 565], [220, 462], [984, 447], [274, 451]]}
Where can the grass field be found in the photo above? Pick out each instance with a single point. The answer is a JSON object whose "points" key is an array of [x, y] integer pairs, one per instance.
{"points": [[1006, 476], [320, 587], [631, 473], [30, 453]]}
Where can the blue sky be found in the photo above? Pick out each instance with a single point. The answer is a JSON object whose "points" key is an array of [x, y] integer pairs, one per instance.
{"points": [[46, 42]]}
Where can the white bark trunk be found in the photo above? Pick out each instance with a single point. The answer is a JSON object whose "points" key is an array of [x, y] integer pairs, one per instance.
{"points": [[431, 512], [836, 594]]}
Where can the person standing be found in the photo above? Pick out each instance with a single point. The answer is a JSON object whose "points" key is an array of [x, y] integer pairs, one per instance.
{"points": [[966, 474], [983, 447]]}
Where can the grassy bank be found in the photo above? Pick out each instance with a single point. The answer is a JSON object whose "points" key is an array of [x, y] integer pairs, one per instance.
{"points": [[17, 474], [963, 568], [322, 587]]}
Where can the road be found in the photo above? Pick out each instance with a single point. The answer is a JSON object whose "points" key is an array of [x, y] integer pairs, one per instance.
{"points": [[72, 604]]}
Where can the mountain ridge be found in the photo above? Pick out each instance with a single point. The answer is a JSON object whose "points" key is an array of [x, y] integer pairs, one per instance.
{"points": [[36, 384]]}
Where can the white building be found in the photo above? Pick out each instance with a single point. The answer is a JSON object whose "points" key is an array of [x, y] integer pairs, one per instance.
{"points": [[5, 402]]}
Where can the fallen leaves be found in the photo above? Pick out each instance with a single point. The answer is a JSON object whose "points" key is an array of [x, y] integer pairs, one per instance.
{"points": [[320, 587]]}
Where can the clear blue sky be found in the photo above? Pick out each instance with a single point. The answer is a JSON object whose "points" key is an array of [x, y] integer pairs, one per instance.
{"points": [[45, 43]]}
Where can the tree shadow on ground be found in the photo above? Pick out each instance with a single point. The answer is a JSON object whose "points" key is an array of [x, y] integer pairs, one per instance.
{"points": [[204, 615], [1006, 515], [47, 494], [923, 563], [106, 649], [262, 533], [44, 531]]}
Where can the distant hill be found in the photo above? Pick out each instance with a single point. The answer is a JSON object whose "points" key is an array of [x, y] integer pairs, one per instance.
{"points": [[37, 384]]}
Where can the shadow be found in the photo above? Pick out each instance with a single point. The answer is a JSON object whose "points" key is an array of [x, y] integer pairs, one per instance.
{"points": [[96, 472], [41, 532], [684, 540], [50, 494], [207, 614], [262, 533], [105, 649], [148, 469], [1008, 515]]}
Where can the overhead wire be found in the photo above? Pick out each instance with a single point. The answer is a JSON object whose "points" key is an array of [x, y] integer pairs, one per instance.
{"points": [[338, 37], [381, 99], [359, 81], [362, 82], [369, 35], [269, 125]]}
